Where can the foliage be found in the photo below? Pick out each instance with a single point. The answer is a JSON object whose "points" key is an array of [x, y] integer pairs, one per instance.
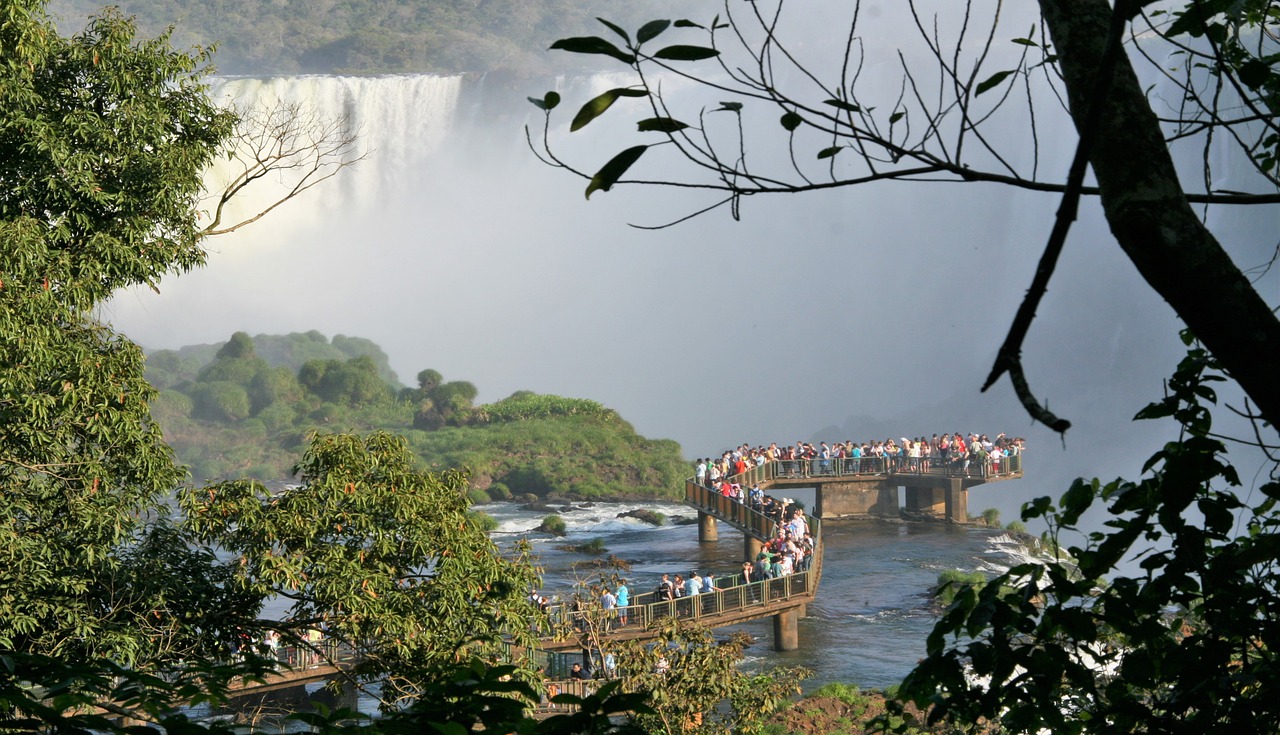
{"points": [[415, 595], [594, 546], [525, 405], [90, 202], [957, 73], [1188, 643], [953, 582], [483, 521], [1239, 59], [847, 693], [366, 37], [167, 368], [992, 517], [526, 442], [1016, 527], [478, 497], [552, 524], [700, 673]]}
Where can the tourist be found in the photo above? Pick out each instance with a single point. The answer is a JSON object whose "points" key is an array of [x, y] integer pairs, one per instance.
{"points": [[695, 585], [623, 598], [666, 590], [608, 602], [577, 673]]}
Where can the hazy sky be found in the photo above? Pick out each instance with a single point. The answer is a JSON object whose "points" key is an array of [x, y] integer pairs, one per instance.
{"points": [[860, 313]]}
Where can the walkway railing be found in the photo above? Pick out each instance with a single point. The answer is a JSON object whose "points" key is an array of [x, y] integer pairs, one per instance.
{"points": [[879, 467], [731, 595], [732, 511]]}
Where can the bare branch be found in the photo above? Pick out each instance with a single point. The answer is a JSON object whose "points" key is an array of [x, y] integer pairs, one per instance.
{"points": [[287, 145]]}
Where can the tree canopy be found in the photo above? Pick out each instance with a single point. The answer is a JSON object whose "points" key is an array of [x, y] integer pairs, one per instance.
{"points": [[103, 145], [834, 125]]}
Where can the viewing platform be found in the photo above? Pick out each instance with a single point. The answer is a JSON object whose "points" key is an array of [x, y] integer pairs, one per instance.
{"points": [[869, 486]]}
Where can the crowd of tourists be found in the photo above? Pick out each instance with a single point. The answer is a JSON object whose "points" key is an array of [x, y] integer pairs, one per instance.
{"points": [[956, 451]]}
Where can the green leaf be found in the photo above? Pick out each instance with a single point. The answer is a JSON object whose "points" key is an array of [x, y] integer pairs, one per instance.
{"points": [[992, 81], [593, 45], [841, 104], [650, 30], [609, 174], [1255, 73], [546, 103], [895, 117], [615, 29], [729, 107], [829, 152], [791, 120], [685, 23], [1026, 42], [660, 125], [682, 52], [596, 106]]}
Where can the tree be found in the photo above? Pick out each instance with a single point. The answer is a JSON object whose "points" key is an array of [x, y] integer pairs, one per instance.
{"points": [[1187, 644], [103, 145], [936, 127], [382, 555], [278, 152]]}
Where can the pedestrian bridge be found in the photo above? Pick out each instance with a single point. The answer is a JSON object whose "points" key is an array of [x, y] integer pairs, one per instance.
{"points": [[869, 486], [732, 601], [855, 487]]}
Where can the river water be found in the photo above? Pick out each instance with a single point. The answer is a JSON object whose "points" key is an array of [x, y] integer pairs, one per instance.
{"points": [[870, 621]]}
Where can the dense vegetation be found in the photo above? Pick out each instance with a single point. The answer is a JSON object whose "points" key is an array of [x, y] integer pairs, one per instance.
{"points": [[367, 36], [244, 408]]}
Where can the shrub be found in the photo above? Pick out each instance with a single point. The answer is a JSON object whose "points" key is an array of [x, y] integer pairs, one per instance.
{"points": [[554, 525], [482, 520], [219, 401], [478, 496], [499, 491], [1017, 527], [594, 546], [952, 581], [992, 517], [847, 693]]}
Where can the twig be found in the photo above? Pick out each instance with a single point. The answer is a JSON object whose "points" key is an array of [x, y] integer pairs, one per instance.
{"points": [[1009, 358]]}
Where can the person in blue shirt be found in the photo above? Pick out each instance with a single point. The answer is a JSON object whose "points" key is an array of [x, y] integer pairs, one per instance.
{"points": [[623, 596]]}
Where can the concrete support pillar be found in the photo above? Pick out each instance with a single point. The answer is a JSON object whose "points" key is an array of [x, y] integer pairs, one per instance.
{"points": [[707, 530], [957, 502], [802, 611], [786, 631], [751, 547]]}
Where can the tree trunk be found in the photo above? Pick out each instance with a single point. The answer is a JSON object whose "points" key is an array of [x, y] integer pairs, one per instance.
{"points": [[1149, 214]]}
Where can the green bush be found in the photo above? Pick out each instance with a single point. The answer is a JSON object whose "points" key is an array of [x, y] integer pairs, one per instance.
{"points": [[847, 693], [478, 496], [499, 491], [992, 517], [219, 401], [1016, 527], [482, 520], [594, 546], [554, 525], [952, 581], [652, 517]]}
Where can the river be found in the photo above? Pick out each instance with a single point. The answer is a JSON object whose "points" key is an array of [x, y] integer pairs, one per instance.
{"points": [[870, 621]]}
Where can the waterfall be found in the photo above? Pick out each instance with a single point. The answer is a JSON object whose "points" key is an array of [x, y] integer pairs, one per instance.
{"points": [[400, 121]]}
